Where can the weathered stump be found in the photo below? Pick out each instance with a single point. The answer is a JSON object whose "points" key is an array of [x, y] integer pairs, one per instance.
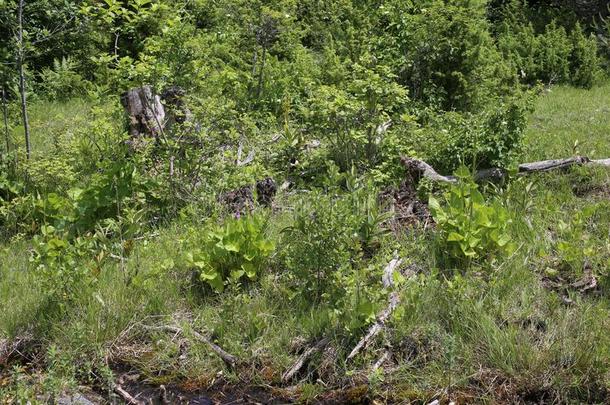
{"points": [[146, 113]]}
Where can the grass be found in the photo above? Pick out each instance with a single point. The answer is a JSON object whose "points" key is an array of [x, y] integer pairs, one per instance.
{"points": [[568, 120], [499, 333]]}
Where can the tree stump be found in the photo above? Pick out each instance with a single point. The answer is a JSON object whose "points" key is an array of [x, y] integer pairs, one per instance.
{"points": [[146, 114]]}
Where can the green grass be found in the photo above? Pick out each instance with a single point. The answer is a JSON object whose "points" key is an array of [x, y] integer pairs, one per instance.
{"points": [[566, 120], [491, 334]]}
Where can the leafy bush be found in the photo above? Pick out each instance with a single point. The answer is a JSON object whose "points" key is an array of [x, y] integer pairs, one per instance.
{"points": [[551, 56], [64, 266], [236, 249], [470, 228], [353, 121], [492, 138], [442, 51], [584, 61], [62, 81]]}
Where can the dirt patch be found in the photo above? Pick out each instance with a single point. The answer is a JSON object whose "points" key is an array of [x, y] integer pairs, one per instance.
{"points": [[593, 191], [409, 210]]}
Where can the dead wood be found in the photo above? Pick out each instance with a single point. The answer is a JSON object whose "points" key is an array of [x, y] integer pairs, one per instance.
{"points": [[418, 169], [377, 326], [229, 359], [127, 396], [388, 272], [13, 347], [296, 367], [385, 356], [145, 111]]}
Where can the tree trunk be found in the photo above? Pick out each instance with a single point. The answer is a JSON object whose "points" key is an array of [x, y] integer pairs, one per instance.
{"points": [[21, 52], [5, 114]]}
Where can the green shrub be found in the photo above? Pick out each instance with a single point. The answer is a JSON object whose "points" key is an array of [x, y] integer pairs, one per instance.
{"points": [[442, 51], [551, 56], [492, 138], [64, 266], [470, 229], [236, 249], [584, 61], [62, 81]]}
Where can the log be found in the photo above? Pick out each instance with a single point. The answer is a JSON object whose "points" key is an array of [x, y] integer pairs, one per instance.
{"points": [[296, 367], [424, 170], [546, 165], [385, 356], [229, 359], [388, 273]]}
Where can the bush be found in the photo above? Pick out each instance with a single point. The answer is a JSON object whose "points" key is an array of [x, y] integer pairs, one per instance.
{"points": [[230, 252], [470, 228], [584, 61], [444, 53], [552, 56], [62, 81], [492, 138]]}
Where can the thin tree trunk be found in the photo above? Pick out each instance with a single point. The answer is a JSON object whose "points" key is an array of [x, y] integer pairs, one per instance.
{"points": [[5, 113], [24, 109], [261, 73]]}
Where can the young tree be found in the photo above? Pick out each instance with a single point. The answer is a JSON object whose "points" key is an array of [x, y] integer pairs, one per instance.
{"points": [[20, 62]]}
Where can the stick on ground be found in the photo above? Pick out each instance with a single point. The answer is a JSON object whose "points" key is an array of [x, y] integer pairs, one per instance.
{"points": [[296, 367], [229, 359], [377, 326]]}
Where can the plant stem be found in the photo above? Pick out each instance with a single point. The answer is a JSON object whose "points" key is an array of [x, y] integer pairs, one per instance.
{"points": [[5, 113], [21, 52]]}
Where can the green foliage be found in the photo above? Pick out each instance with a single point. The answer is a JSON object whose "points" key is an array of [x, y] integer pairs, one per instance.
{"points": [[492, 138], [327, 238], [471, 229], [584, 61], [443, 52], [62, 82], [551, 56], [231, 252], [354, 121], [64, 267]]}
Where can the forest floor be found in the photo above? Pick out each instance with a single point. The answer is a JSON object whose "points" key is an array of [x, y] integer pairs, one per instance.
{"points": [[534, 329]]}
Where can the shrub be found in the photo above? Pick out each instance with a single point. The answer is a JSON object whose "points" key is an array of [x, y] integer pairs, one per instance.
{"points": [[492, 138], [584, 62], [62, 81], [236, 249], [470, 229], [353, 121], [442, 51]]}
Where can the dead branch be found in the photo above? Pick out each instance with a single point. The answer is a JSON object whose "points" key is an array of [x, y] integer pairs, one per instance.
{"points": [[388, 273], [385, 356], [229, 359], [377, 326], [296, 367], [424, 170], [126, 396], [11, 347]]}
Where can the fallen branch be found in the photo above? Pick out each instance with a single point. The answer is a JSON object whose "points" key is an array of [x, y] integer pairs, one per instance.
{"points": [[10, 347], [229, 359], [388, 273], [424, 170], [377, 326], [296, 367], [127, 396], [385, 356]]}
